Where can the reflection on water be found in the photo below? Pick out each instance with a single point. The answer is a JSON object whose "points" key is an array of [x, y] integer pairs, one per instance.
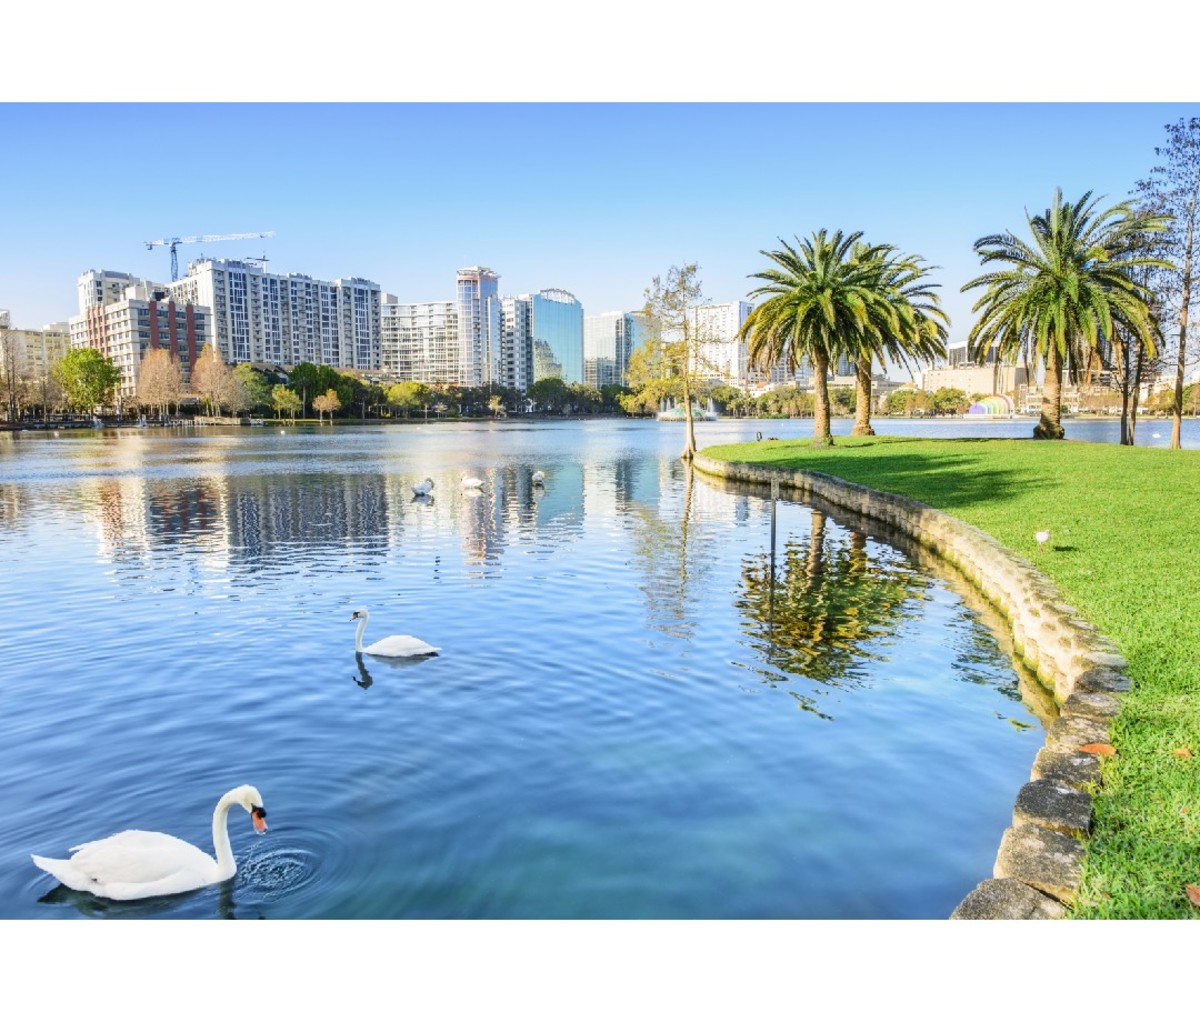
{"points": [[609, 731], [831, 603], [87, 904]]}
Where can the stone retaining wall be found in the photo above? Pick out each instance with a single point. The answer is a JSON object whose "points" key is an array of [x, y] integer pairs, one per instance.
{"points": [[1037, 868]]}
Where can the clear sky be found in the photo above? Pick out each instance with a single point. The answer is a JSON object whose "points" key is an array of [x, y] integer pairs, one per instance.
{"points": [[595, 198], [612, 144]]}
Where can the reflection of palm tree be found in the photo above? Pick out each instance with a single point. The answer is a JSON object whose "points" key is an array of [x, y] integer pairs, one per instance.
{"points": [[828, 605]]}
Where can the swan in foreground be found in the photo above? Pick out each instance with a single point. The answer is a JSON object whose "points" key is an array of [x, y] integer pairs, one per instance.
{"points": [[393, 645], [471, 482], [538, 477], [146, 864], [423, 488]]}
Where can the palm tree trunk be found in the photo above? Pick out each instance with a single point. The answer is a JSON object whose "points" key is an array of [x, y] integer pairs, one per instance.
{"points": [[862, 401], [1121, 353], [1049, 426], [822, 435]]}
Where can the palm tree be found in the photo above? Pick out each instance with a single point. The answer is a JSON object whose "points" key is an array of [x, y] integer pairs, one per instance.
{"points": [[1064, 292], [823, 297], [923, 328]]}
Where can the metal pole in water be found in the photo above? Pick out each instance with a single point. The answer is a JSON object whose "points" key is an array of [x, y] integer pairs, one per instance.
{"points": [[774, 501], [771, 590]]}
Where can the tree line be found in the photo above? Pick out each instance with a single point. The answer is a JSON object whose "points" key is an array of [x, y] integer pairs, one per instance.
{"points": [[1081, 287], [1085, 286]]}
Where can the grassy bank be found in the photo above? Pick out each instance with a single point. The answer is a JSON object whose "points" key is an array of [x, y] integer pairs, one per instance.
{"points": [[1125, 550]]}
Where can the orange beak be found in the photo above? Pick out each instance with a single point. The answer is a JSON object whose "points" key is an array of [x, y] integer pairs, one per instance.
{"points": [[259, 816]]}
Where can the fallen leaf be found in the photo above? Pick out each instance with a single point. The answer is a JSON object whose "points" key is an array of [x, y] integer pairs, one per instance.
{"points": [[1183, 752], [1193, 893], [1099, 748]]}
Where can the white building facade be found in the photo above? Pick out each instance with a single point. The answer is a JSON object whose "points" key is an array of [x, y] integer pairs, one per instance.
{"points": [[419, 341], [285, 319], [724, 357], [963, 373], [516, 342], [477, 303], [147, 317]]}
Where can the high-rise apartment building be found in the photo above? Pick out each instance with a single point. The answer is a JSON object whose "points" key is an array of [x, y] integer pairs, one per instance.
{"points": [[146, 317], [26, 357], [516, 343], [285, 319], [609, 339], [419, 341], [718, 353], [478, 307], [100, 287]]}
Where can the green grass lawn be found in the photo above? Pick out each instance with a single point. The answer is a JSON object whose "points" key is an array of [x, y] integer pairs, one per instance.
{"points": [[1125, 550]]}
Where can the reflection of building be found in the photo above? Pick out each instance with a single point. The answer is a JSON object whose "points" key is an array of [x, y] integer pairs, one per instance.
{"points": [[144, 318], [608, 341]]}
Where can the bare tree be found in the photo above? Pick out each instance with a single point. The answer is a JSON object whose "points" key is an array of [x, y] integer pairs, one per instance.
{"points": [[159, 381], [1173, 188], [327, 402], [666, 311], [11, 359], [215, 382]]}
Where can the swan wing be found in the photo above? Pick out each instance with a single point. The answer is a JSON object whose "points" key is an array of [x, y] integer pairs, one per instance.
{"points": [[139, 857], [401, 645]]}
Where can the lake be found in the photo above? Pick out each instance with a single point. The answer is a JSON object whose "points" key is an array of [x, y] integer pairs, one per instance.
{"points": [[636, 711]]}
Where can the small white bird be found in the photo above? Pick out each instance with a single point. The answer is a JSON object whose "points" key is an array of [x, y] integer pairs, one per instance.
{"points": [[393, 645], [1042, 537], [423, 488], [146, 864], [471, 482], [538, 477]]}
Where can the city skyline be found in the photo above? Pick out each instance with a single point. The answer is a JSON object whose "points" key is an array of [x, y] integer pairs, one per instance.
{"points": [[929, 178]]}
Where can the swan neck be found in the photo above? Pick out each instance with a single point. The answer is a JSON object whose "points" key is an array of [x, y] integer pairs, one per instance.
{"points": [[362, 626], [226, 866]]}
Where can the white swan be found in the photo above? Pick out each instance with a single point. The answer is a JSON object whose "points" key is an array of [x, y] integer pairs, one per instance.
{"points": [[393, 645], [423, 488], [146, 864], [471, 482], [538, 477]]}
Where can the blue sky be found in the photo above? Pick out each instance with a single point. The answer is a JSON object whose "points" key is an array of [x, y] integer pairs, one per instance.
{"points": [[595, 198]]}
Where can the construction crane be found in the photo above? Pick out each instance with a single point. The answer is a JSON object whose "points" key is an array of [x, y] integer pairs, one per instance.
{"points": [[172, 242]]}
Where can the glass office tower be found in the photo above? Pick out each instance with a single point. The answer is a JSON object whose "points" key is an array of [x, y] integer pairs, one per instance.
{"points": [[556, 325]]}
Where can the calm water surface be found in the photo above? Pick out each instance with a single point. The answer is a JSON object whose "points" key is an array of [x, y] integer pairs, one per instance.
{"points": [[635, 712]]}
